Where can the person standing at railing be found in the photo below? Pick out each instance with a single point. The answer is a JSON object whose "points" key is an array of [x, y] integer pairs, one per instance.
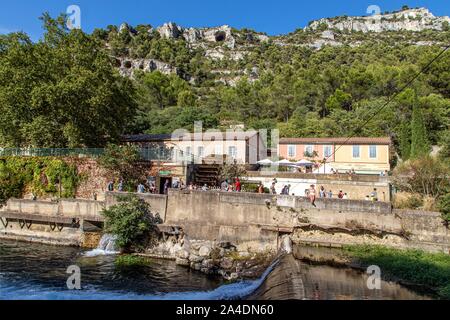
{"points": [[110, 186], [224, 185], [166, 187], [120, 186], [140, 188], [260, 188], [238, 185], [312, 195]]}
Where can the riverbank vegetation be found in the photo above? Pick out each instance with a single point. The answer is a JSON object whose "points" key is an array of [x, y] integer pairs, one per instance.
{"points": [[43, 176], [425, 184], [127, 260], [416, 267], [132, 222]]}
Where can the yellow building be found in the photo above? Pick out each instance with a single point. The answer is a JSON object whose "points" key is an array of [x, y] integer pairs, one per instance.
{"points": [[364, 155]]}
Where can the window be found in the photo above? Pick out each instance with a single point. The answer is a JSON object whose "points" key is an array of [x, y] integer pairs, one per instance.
{"points": [[372, 152], [291, 151], [188, 151], [309, 151], [327, 151], [218, 149], [355, 151], [200, 151], [232, 152]]}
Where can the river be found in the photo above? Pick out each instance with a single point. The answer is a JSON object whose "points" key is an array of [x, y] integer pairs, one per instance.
{"points": [[36, 271]]}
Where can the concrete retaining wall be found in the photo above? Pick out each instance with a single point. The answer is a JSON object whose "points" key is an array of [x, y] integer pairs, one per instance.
{"points": [[257, 219], [64, 207], [157, 202]]}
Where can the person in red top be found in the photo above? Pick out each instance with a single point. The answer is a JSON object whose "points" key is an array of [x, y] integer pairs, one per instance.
{"points": [[238, 185], [340, 194]]}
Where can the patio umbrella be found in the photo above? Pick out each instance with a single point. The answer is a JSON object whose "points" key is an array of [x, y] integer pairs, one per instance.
{"points": [[284, 163], [304, 163], [265, 162]]}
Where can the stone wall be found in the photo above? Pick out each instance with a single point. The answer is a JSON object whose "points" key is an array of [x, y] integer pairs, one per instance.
{"points": [[357, 187], [257, 220], [63, 208]]}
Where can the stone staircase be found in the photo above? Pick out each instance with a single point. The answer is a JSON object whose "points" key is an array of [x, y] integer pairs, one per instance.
{"points": [[207, 174]]}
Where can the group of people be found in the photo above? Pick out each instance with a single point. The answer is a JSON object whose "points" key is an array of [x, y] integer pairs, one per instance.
{"points": [[236, 186], [148, 187], [226, 186], [229, 187]]}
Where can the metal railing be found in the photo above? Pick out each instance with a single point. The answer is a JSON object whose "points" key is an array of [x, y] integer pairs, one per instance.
{"points": [[148, 154], [51, 152]]}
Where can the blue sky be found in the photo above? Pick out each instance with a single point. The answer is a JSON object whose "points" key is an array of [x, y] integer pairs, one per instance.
{"points": [[273, 17]]}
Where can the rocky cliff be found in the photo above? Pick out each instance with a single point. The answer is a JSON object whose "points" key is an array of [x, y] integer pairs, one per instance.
{"points": [[406, 20], [226, 48]]}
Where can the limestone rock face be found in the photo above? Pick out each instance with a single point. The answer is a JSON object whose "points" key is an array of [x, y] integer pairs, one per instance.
{"points": [[128, 66], [223, 34], [170, 30], [410, 20]]}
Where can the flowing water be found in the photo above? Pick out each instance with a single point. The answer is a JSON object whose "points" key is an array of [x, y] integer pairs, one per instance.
{"points": [[36, 271]]}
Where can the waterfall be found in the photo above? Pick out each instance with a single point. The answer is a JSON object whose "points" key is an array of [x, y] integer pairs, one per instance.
{"points": [[107, 245]]}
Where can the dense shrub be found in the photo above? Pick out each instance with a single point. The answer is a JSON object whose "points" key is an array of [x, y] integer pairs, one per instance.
{"points": [[405, 200], [427, 176], [444, 206], [131, 221], [41, 176]]}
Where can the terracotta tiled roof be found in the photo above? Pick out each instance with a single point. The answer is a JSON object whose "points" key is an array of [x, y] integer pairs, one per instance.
{"points": [[354, 140]]}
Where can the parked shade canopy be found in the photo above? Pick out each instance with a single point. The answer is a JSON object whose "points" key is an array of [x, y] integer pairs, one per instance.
{"points": [[265, 162], [304, 162], [284, 163]]}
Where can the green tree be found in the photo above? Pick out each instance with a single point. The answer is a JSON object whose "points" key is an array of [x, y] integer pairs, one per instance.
{"points": [[122, 162], [420, 145], [61, 91], [339, 100]]}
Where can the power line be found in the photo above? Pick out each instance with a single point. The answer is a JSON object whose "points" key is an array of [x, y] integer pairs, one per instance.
{"points": [[424, 69]]}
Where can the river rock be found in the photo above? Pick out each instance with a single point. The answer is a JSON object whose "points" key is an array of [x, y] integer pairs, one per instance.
{"points": [[234, 276], [196, 266], [195, 258], [208, 263], [226, 263], [207, 270], [244, 254], [182, 262], [204, 251], [183, 254], [196, 245]]}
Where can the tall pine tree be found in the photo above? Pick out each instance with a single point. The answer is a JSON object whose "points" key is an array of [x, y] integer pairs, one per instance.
{"points": [[420, 145]]}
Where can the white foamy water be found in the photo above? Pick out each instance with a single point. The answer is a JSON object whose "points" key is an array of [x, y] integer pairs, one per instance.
{"points": [[106, 246]]}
